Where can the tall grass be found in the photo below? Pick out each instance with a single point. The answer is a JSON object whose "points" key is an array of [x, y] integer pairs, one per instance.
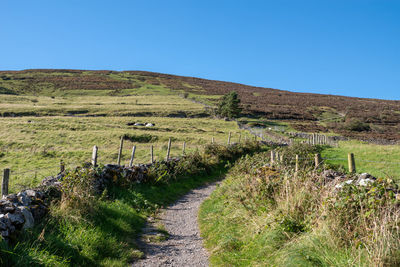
{"points": [[270, 216]]}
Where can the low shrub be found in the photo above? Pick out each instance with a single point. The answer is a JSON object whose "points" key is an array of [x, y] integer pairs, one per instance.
{"points": [[357, 126], [140, 138]]}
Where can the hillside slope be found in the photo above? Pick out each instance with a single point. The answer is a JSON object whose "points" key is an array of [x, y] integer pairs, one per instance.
{"points": [[355, 117]]}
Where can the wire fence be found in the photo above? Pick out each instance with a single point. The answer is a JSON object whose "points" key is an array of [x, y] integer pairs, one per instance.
{"points": [[352, 164], [144, 153]]}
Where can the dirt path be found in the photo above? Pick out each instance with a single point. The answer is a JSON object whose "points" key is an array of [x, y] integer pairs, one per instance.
{"points": [[183, 246]]}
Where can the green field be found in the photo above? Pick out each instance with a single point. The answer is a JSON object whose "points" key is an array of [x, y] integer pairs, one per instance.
{"points": [[42, 130], [378, 160]]}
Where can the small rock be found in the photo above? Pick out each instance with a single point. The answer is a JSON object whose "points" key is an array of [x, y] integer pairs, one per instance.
{"points": [[15, 218], [5, 233], [366, 176], [364, 182], [330, 174], [344, 183], [29, 221], [5, 223], [38, 211], [24, 199], [6, 206], [12, 198], [30, 193], [9, 209]]}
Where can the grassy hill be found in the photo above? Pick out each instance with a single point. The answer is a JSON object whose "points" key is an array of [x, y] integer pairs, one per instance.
{"points": [[52, 115], [354, 117], [43, 123]]}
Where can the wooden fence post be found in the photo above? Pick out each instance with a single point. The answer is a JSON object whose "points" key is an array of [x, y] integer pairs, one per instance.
{"points": [[352, 163], [212, 140], [151, 155], [184, 147], [276, 155], [132, 156], [272, 157], [4, 184], [281, 157], [94, 156], [317, 160], [229, 138], [62, 166], [240, 137], [296, 168], [120, 150], [168, 150]]}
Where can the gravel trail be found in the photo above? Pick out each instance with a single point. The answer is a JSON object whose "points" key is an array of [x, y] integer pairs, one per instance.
{"points": [[184, 245]]}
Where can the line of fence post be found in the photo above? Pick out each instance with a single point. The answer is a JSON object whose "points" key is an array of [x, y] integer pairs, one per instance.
{"points": [[94, 156], [317, 160], [272, 157], [62, 166], [212, 140], [352, 163], [120, 150], [184, 147], [240, 137], [5, 182], [151, 154], [132, 156], [296, 169], [229, 138], [168, 150]]}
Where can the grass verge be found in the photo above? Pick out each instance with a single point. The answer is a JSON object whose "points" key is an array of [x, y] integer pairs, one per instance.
{"points": [[263, 216]]}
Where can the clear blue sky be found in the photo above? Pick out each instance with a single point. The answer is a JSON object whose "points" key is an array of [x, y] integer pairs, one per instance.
{"points": [[346, 47]]}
